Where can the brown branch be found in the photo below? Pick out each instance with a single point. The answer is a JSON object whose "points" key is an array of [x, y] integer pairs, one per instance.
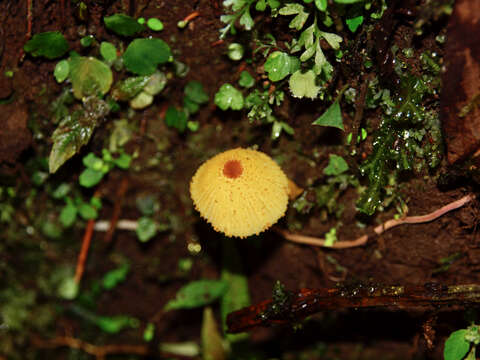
{"points": [[295, 306], [362, 240], [82, 257], [100, 352]]}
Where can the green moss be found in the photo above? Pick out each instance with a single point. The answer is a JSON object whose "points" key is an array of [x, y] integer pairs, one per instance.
{"points": [[409, 137]]}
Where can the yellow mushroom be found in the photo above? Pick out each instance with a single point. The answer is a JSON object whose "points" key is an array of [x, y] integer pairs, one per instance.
{"points": [[240, 192]]}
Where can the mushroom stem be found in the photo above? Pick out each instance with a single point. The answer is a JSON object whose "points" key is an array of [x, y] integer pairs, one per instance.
{"points": [[362, 240]]}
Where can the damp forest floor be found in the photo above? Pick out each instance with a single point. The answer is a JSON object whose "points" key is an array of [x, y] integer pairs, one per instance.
{"points": [[445, 251]]}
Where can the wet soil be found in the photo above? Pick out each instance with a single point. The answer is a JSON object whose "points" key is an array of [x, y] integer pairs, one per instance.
{"points": [[408, 254]]}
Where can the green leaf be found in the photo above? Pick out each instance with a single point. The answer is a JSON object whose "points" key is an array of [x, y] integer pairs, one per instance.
{"points": [[72, 133], [155, 24], [123, 161], [90, 177], [144, 55], [354, 22], [336, 165], [321, 5], [108, 51], [156, 83], [87, 211], [141, 101], [333, 39], [303, 84], [68, 215], [246, 80], [331, 117], [246, 19], [86, 41], [274, 4], [61, 71], [68, 288], [196, 294], [146, 229], [176, 118], [330, 237], [115, 324], [129, 88], [235, 51], [93, 161], [228, 97], [194, 92], [89, 76], [123, 24], [292, 9], [149, 332], [261, 5], [114, 277], [50, 44], [280, 64], [456, 347]]}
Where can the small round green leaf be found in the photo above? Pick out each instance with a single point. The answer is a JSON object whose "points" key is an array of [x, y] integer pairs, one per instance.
{"points": [[280, 64], [155, 24], [86, 41], [229, 97], [235, 51], [146, 229], [50, 44], [123, 24], [61, 70], [246, 80], [90, 177], [89, 76], [144, 55], [108, 51]]}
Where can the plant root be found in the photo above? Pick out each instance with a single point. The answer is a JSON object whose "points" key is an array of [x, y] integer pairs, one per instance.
{"points": [[362, 240]]}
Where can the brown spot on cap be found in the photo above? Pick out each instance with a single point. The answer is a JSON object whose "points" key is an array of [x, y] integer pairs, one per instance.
{"points": [[232, 169]]}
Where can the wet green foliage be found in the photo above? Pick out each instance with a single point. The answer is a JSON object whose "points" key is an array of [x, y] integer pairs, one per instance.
{"points": [[75, 130], [409, 139], [144, 55], [123, 24], [49, 44], [197, 293], [461, 344]]}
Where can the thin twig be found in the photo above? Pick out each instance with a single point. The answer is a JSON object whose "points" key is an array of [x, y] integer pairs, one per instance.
{"points": [[119, 196], [191, 16], [362, 240], [29, 19], [100, 352], [82, 257]]}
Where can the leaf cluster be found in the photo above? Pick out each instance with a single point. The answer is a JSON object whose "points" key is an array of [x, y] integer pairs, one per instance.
{"points": [[195, 96], [91, 80]]}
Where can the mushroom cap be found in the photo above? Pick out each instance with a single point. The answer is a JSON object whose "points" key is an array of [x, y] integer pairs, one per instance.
{"points": [[241, 192]]}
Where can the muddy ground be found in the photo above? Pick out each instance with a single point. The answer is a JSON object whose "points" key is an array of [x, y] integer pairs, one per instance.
{"points": [[406, 255]]}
